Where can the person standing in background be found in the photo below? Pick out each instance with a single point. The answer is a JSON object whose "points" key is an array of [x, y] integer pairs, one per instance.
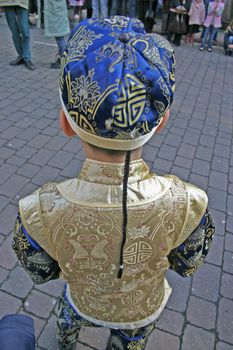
{"points": [[56, 24], [212, 23], [100, 8], [16, 12]]}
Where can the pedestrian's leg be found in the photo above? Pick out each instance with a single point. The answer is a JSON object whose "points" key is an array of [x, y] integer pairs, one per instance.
{"points": [[103, 8], [11, 17], [22, 15], [69, 324], [212, 34], [61, 48], [130, 339], [205, 34], [95, 9]]}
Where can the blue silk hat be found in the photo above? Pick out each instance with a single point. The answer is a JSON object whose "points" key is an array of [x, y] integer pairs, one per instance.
{"points": [[116, 82]]}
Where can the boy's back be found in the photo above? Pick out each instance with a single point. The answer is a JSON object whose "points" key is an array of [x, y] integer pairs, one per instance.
{"points": [[114, 231], [79, 224]]}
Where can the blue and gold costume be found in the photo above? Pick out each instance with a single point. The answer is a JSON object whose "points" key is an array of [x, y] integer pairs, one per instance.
{"points": [[116, 84]]}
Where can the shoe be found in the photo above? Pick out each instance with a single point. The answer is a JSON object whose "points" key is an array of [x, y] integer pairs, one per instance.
{"points": [[201, 48], [209, 49], [55, 65], [19, 60], [29, 65]]}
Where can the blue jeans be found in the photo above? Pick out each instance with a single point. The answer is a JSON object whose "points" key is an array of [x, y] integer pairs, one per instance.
{"points": [[17, 19], [100, 8], [230, 39], [211, 32], [61, 44]]}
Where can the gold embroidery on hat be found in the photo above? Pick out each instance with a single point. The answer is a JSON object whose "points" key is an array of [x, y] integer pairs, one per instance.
{"points": [[130, 105]]}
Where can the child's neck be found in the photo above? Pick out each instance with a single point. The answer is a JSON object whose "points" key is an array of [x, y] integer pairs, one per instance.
{"points": [[111, 157]]}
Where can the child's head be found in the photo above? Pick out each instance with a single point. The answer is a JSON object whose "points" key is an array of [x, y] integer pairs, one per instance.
{"points": [[116, 83]]}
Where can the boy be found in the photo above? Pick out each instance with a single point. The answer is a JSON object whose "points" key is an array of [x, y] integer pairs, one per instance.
{"points": [[113, 232]]}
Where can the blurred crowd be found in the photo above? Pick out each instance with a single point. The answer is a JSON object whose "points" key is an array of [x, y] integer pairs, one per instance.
{"points": [[179, 18]]}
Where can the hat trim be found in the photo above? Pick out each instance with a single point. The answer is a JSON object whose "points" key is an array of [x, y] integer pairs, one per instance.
{"points": [[104, 142]]}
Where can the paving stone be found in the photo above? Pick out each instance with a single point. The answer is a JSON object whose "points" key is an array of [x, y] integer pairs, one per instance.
{"points": [[225, 321], [13, 185], [82, 347], [171, 321], [199, 181], [201, 313], [98, 339], [3, 203], [191, 138], [28, 170], [3, 274], [228, 262], [183, 162], [15, 160], [7, 219], [201, 167], [6, 170], [47, 339], [72, 169], [39, 141], [215, 254], [172, 140], [9, 304], [163, 341], [204, 153], [222, 151], [18, 283], [26, 152], [149, 153], [218, 180], [6, 152], [181, 172], [207, 141], [56, 142], [167, 152], [217, 199], [38, 323], [10, 133], [206, 282], [226, 285], [16, 143], [196, 338], [180, 291], [53, 288], [42, 157], [229, 242], [73, 146], [28, 134], [42, 123], [7, 257], [46, 174], [39, 304], [161, 165], [61, 159], [220, 164], [219, 221], [186, 151], [223, 346], [50, 131]]}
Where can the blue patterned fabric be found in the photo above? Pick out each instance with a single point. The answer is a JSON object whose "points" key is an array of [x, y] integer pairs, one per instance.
{"points": [[116, 80], [188, 256]]}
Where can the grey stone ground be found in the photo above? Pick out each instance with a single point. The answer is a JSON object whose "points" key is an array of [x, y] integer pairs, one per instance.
{"points": [[196, 145]]}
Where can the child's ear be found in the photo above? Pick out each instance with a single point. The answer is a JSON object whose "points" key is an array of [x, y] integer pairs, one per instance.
{"points": [[164, 121], [68, 131]]}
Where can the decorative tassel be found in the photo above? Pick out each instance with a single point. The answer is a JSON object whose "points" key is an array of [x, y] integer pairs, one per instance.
{"points": [[120, 271]]}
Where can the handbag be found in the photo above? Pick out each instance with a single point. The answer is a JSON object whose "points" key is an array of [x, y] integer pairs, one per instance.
{"points": [[177, 25]]}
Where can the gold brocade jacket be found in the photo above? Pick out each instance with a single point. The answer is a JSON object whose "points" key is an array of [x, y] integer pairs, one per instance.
{"points": [[79, 224]]}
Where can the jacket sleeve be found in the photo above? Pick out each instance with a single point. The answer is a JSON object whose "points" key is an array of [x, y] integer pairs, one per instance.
{"points": [[188, 256], [40, 266]]}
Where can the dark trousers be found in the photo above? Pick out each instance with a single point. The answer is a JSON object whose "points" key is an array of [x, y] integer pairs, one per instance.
{"points": [[69, 324]]}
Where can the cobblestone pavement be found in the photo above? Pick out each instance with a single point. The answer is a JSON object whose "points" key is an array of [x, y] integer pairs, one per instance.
{"points": [[196, 145]]}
